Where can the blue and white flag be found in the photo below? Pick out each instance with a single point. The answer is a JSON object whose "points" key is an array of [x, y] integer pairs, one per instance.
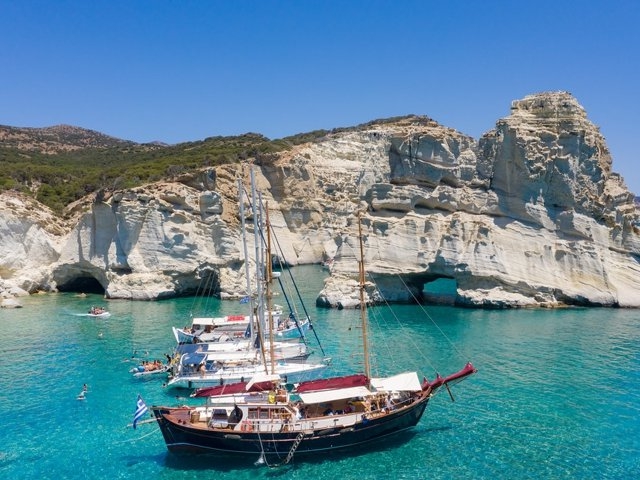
{"points": [[244, 299], [141, 409]]}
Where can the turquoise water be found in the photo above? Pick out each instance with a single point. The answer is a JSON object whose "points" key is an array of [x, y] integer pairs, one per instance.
{"points": [[557, 394]]}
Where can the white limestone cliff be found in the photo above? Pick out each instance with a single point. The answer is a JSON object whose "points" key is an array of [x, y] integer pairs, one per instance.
{"points": [[30, 236], [529, 215], [532, 217]]}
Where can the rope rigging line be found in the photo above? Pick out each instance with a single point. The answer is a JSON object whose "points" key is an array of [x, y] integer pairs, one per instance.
{"points": [[205, 285], [263, 458], [282, 261], [406, 334], [453, 345], [294, 447], [136, 439], [299, 295]]}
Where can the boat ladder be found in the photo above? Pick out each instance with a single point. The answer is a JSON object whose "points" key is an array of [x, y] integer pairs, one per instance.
{"points": [[294, 447]]}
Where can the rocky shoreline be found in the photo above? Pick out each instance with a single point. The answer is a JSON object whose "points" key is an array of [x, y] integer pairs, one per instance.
{"points": [[530, 215]]}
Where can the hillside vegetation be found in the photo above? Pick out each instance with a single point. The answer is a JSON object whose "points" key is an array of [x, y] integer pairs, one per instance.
{"points": [[61, 164], [58, 165]]}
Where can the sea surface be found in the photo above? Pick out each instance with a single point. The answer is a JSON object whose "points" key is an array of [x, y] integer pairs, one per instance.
{"points": [[556, 396]]}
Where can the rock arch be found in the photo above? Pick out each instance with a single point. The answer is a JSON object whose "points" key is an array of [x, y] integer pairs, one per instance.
{"points": [[81, 284]]}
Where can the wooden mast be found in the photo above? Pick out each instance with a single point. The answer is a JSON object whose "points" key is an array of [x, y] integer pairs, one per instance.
{"points": [[363, 304]]}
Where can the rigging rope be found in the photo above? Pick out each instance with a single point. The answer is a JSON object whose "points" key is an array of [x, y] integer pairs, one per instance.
{"points": [[294, 447], [281, 258], [263, 458], [373, 315], [136, 439]]}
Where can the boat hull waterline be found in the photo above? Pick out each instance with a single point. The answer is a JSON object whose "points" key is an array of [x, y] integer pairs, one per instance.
{"points": [[293, 372], [296, 416], [275, 446], [314, 416]]}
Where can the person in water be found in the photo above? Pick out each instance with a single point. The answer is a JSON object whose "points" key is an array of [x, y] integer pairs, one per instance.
{"points": [[83, 392]]}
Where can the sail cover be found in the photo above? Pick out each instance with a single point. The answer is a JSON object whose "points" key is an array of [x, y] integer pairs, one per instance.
{"points": [[337, 394], [407, 382]]}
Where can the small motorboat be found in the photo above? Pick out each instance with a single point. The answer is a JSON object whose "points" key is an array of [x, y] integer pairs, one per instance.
{"points": [[149, 368], [98, 312]]}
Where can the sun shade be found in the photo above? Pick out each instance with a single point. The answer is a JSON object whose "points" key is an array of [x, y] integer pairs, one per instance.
{"points": [[407, 382], [330, 395]]}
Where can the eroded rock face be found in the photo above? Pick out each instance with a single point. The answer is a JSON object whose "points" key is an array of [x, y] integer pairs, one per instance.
{"points": [[30, 236], [530, 215], [149, 243]]}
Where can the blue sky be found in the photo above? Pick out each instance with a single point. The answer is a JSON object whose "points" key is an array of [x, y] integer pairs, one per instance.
{"points": [[185, 70]]}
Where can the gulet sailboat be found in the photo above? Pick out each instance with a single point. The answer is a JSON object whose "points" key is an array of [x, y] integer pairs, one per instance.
{"points": [[274, 422]]}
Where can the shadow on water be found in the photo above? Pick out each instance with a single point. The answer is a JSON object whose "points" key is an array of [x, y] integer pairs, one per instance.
{"points": [[220, 462], [8, 458], [132, 460]]}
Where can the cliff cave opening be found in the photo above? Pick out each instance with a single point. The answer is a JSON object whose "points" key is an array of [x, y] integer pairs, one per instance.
{"points": [[82, 285], [441, 291]]}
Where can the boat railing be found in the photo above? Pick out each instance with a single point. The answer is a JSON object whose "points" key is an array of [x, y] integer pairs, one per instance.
{"points": [[286, 422]]}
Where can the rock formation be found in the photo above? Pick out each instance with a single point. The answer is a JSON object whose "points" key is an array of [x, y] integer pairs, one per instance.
{"points": [[529, 215]]}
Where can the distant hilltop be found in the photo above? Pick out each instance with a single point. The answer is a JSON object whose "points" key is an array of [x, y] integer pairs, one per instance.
{"points": [[529, 215], [56, 139]]}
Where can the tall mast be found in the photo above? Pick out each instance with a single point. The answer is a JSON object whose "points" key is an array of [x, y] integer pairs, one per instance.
{"points": [[269, 275], [363, 305], [247, 272], [257, 239]]}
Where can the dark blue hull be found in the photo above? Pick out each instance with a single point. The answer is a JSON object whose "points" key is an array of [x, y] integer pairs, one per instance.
{"points": [[182, 438]]}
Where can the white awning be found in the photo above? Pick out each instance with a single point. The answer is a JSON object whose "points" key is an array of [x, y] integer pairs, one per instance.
{"points": [[205, 321], [221, 321], [337, 394], [263, 377], [406, 382]]}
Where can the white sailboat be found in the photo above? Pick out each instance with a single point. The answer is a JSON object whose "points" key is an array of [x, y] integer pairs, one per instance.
{"points": [[260, 418], [216, 329], [263, 355]]}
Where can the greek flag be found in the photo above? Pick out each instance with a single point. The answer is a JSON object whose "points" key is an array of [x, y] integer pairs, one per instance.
{"points": [[244, 300], [141, 409]]}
